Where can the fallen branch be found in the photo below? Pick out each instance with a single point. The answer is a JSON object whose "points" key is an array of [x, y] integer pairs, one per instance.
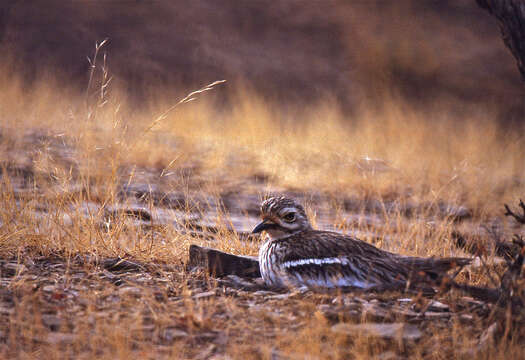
{"points": [[478, 247], [519, 218]]}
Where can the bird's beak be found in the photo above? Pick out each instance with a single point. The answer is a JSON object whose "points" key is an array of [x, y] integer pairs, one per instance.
{"points": [[265, 225]]}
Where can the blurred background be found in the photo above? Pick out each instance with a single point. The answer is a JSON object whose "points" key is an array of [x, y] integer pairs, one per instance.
{"points": [[426, 53]]}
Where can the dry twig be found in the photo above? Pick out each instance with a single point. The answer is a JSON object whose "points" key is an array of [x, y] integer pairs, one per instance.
{"points": [[519, 218]]}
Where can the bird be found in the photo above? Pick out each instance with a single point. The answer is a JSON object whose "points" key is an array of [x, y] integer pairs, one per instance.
{"points": [[295, 255]]}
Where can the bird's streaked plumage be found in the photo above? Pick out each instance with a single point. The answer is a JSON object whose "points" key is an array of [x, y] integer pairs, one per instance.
{"points": [[294, 254]]}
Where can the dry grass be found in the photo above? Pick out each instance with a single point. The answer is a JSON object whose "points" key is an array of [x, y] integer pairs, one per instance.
{"points": [[66, 159]]}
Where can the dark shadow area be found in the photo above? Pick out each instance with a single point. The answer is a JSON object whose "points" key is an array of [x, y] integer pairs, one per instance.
{"points": [[427, 52]]}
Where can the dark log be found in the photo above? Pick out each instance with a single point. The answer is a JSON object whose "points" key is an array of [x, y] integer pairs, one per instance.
{"points": [[511, 17], [218, 263]]}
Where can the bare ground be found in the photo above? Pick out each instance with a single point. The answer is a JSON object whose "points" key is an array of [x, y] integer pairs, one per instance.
{"points": [[94, 269]]}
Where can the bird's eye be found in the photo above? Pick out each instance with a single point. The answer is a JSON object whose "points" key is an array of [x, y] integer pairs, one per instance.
{"points": [[289, 217]]}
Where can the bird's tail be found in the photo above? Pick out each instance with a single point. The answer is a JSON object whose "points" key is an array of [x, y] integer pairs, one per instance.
{"points": [[434, 267]]}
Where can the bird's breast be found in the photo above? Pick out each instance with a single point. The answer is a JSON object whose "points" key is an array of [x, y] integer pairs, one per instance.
{"points": [[268, 263]]}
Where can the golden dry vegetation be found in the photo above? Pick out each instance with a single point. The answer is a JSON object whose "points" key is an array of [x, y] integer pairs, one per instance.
{"points": [[392, 122], [87, 178]]}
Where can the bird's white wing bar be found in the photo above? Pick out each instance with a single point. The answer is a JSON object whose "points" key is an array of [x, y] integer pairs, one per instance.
{"points": [[316, 279], [300, 262]]}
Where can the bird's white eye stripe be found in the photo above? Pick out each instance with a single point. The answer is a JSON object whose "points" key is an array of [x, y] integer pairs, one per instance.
{"points": [[293, 263]]}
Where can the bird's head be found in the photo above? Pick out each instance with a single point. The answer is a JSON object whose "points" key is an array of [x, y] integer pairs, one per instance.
{"points": [[281, 217]]}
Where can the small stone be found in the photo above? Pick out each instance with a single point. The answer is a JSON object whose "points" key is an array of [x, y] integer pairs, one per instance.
{"points": [[285, 296], [436, 315], [437, 306], [204, 295], [259, 282], [207, 336], [67, 220], [386, 331], [354, 313], [466, 317], [15, 268], [206, 353], [324, 307], [374, 311], [6, 311], [388, 355], [454, 211], [472, 301], [220, 357], [405, 300], [56, 338], [119, 264], [53, 322], [351, 304], [264, 293], [404, 312], [49, 288], [171, 334], [119, 211], [130, 290], [237, 282]]}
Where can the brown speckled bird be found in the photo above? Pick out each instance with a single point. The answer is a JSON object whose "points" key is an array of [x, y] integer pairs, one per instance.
{"points": [[294, 254]]}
